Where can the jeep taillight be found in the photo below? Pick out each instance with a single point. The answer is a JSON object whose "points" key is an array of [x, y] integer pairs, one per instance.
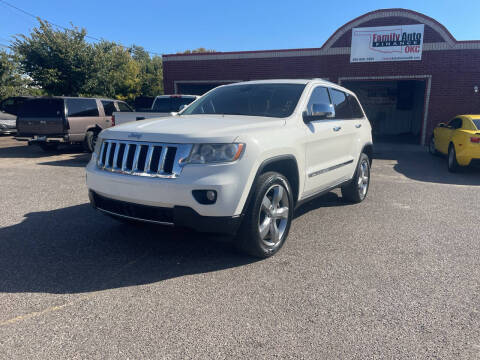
{"points": [[475, 140], [113, 120]]}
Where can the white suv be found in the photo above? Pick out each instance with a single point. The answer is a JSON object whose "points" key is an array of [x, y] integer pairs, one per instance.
{"points": [[237, 161]]}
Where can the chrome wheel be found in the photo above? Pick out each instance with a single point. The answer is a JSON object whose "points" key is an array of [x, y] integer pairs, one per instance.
{"points": [[363, 178], [274, 215]]}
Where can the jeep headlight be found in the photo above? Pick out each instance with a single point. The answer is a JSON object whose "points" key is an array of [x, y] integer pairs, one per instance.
{"points": [[215, 153]]}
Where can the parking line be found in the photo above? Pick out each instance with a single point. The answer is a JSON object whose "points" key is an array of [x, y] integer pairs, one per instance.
{"points": [[60, 307]]}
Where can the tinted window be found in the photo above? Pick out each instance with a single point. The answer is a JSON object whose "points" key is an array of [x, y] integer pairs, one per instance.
{"points": [[12, 105], [355, 107], [162, 105], [340, 102], [108, 107], [82, 107], [319, 96], [477, 123], [272, 100], [42, 108], [123, 107], [169, 104], [455, 123]]}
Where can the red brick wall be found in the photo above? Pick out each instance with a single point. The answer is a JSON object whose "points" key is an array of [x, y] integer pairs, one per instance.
{"points": [[454, 72]]}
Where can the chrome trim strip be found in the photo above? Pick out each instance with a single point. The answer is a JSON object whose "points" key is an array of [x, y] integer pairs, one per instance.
{"points": [[148, 160], [137, 219], [125, 157], [102, 149], [109, 149], [135, 158], [115, 156], [182, 151], [161, 162], [334, 167]]}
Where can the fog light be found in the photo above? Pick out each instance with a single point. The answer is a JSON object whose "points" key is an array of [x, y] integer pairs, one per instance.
{"points": [[211, 195], [205, 197]]}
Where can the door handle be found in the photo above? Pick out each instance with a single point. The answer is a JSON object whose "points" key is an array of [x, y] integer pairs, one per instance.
{"points": [[358, 126], [337, 128]]}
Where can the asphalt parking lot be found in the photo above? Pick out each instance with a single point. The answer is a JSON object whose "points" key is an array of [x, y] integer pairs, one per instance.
{"points": [[397, 276]]}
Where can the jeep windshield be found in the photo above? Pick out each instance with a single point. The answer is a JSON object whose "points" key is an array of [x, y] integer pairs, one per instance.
{"points": [[270, 100]]}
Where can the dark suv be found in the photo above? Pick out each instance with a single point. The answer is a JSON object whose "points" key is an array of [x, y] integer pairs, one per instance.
{"points": [[50, 121]]}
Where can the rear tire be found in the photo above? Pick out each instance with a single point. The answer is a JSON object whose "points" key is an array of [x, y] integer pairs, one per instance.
{"points": [[90, 141], [268, 217], [452, 159], [356, 191], [49, 147]]}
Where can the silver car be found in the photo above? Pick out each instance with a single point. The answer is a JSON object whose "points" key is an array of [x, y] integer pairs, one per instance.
{"points": [[8, 123]]}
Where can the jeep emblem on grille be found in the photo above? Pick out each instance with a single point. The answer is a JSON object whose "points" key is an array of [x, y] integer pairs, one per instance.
{"points": [[135, 135]]}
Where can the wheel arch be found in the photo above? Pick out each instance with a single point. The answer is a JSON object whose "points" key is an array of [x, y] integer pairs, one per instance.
{"points": [[284, 164], [96, 128], [368, 150]]}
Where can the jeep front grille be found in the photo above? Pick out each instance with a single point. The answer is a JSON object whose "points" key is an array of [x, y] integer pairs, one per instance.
{"points": [[143, 158]]}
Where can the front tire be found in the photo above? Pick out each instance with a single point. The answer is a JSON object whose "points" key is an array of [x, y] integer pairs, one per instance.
{"points": [[356, 191], [431, 147], [452, 159], [268, 217]]}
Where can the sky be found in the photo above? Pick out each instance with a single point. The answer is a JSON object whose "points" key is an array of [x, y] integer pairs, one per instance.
{"points": [[165, 27]]}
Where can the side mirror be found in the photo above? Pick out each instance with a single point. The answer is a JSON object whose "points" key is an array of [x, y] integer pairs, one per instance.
{"points": [[319, 112], [442, 125]]}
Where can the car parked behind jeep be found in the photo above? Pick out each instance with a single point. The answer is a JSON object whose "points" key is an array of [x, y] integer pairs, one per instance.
{"points": [[8, 113], [50, 121]]}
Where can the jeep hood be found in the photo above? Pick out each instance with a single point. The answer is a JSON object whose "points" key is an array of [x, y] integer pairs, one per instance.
{"points": [[192, 128]]}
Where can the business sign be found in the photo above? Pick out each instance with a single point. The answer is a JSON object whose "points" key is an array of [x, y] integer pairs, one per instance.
{"points": [[387, 43]]}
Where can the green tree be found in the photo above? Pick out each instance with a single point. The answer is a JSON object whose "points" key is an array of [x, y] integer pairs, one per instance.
{"points": [[60, 62], [12, 82], [197, 50], [115, 73], [151, 71]]}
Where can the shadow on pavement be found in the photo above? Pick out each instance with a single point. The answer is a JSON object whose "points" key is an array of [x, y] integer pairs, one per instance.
{"points": [[330, 199], [417, 164], [76, 160], [75, 250], [16, 151]]}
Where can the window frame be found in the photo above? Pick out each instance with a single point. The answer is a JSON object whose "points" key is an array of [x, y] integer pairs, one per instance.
{"points": [[67, 100], [124, 103], [109, 102], [453, 120], [352, 98], [315, 87], [346, 99]]}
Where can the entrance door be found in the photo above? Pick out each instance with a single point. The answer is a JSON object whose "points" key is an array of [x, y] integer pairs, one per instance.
{"points": [[395, 108]]}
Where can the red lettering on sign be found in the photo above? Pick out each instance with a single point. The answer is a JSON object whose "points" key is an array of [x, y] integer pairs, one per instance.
{"points": [[412, 49]]}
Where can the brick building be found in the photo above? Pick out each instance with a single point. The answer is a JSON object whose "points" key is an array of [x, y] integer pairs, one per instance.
{"points": [[403, 99]]}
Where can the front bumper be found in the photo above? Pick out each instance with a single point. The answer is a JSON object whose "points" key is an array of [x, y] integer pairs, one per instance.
{"points": [[180, 216], [228, 180]]}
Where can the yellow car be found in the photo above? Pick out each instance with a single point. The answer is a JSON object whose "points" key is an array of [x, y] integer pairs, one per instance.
{"points": [[459, 139]]}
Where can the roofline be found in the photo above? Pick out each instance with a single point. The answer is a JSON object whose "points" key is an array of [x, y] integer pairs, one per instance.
{"points": [[330, 41]]}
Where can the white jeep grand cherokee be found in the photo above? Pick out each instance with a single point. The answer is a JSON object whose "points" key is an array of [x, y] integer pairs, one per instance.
{"points": [[236, 161]]}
